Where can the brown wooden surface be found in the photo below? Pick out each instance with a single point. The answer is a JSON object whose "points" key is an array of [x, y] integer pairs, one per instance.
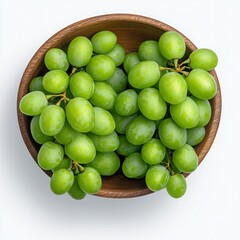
{"points": [[131, 31]]}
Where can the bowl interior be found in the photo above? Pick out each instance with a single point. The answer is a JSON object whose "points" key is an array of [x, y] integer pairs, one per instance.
{"points": [[131, 30]]}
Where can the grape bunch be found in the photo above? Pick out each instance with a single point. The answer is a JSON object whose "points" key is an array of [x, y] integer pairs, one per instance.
{"points": [[99, 110]]}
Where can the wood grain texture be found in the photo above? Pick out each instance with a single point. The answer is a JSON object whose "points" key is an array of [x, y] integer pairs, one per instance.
{"points": [[131, 30]]}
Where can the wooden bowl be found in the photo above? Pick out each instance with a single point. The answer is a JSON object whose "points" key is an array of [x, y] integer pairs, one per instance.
{"points": [[131, 30]]}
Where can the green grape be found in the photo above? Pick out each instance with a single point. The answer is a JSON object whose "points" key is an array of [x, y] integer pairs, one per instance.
{"points": [[148, 50], [171, 135], [133, 166], [151, 104], [125, 148], [80, 51], [61, 181], [185, 159], [56, 59], [153, 151], [126, 103], [117, 54], [103, 41], [195, 135], [106, 164], [173, 88], [201, 84], [80, 114], [106, 143], [122, 122], [157, 177], [52, 120], [205, 111], [185, 114], [172, 45], [103, 96], [81, 149], [55, 81], [90, 180], [140, 130], [66, 163], [176, 186], [33, 103], [203, 58], [81, 85], [50, 155], [66, 135], [36, 132], [144, 74], [36, 84], [130, 61], [118, 81], [75, 191], [104, 123], [101, 67]]}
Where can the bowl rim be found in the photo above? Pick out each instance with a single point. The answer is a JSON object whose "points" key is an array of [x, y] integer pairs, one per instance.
{"points": [[22, 119]]}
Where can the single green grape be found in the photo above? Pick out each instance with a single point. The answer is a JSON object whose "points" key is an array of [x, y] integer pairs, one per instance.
{"points": [[80, 51], [56, 59], [52, 120], [75, 191], [185, 159], [205, 111], [104, 123], [171, 135], [55, 81], [36, 132], [157, 177], [195, 135], [101, 67], [125, 148], [148, 50], [36, 84], [126, 103], [173, 88], [66, 135], [203, 58], [131, 59], [122, 122], [144, 74], [66, 163], [61, 181], [33, 103], [90, 180], [151, 104], [103, 41], [81, 149], [140, 130], [50, 155], [176, 186], [105, 143], [117, 54], [118, 81], [133, 166], [80, 114], [103, 96], [172, 45], [185, 114], [81, 85], [201, 84], [153, 151], [106, 164]]}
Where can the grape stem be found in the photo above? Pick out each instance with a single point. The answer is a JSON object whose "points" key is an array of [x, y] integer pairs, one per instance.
{"points": [[168, 163], [77, 166], [184, 62], [74, 69]]}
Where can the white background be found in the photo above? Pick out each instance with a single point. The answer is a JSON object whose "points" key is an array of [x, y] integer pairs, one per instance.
{"points": [[209, 210]]}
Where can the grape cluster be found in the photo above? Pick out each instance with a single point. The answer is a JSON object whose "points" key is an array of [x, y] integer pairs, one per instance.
{"points": [[98, 108]]}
